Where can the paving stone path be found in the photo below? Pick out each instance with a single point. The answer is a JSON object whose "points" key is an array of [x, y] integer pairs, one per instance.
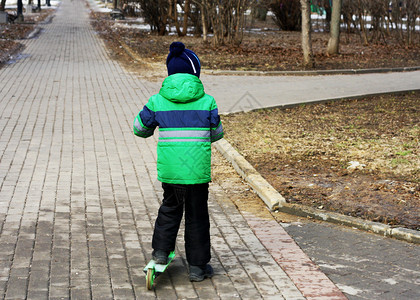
{"points": [[363, 265]]}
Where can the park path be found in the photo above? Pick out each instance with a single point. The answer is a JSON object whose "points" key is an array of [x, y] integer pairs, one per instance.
{"points": [[79, 195], [243, 93]]}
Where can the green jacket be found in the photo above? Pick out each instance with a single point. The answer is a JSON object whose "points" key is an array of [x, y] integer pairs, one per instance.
{"points": [[188, 122]]}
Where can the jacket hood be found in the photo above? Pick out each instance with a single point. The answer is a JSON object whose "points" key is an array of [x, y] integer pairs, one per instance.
{"points": [[182, 88]]}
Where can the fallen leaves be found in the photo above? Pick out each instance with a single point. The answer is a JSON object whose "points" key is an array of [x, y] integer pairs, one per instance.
{"points": [[312, 147], [271, 50]]}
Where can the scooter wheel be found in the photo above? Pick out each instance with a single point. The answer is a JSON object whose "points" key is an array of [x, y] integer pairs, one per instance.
{"points": [[149, 278]]}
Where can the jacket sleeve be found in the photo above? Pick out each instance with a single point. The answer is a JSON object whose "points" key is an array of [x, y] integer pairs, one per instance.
{"points": [[145, 122], [216, 128]]}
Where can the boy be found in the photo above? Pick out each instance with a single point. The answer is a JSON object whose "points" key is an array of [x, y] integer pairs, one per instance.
{"points": [[188, 122]]}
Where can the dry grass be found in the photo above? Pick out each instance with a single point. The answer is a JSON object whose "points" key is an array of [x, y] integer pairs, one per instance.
{"points": [[383, 134], [305, 152]]}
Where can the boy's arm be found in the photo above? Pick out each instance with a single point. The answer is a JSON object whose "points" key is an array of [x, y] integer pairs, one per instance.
{"points": [[145, 122], [216, 128]]}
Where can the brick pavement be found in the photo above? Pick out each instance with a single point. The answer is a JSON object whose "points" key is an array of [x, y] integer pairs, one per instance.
{"points": [[364, 266], [78, 192]]}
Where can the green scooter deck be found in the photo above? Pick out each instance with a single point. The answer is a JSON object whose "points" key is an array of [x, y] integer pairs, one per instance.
{"points": [[153, 270]]}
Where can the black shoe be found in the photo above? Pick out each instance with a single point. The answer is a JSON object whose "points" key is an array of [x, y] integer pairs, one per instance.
{"points": [[199, 273], [160, 257]]}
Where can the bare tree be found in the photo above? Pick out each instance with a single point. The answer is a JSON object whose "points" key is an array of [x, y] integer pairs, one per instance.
{"points": [[378, 11], [334, 41], [204, 21], [376, 20], [373, 20], [361, 14], [226, 18], [287, 14], [413, 12], [259, 9], [348, 9], [308, 56], [155, 14]]}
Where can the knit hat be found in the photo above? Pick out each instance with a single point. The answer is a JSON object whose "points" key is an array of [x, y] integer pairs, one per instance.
{"points": [[182, 60]]}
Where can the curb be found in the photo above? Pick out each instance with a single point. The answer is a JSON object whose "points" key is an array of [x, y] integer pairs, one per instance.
{"points": [[309, 73], [34, 33], [38, 29], [266, 192], [275, 201]]}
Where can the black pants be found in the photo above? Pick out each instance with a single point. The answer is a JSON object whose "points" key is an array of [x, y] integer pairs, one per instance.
{"points": [[197, 224]]}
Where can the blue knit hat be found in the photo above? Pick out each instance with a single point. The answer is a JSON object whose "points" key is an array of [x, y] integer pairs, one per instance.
{"points": [[182, 60]]}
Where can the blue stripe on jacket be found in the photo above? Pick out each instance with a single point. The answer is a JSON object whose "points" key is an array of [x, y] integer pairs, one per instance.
{"points": [[182, 119], [187, 119]]}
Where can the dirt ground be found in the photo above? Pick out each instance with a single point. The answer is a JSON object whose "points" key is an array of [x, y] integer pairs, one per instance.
{"points": [[305, 152], [240, 193], [356, 157], [10, 34], [263, 49]]}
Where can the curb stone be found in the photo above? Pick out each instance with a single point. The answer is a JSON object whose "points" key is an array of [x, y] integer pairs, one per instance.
{"points": [[275, 201], [314, 72], [38, 27], [34, 33], [266, 192]]}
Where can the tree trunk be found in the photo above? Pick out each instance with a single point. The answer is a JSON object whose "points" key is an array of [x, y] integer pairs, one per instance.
{"points": [[308, 57], [163, 16], [186, 14], [204, 21], [19, 13], [175, 18], [239, 26], [334, 41], [2, 5], [362, 24], [327, 7]]}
